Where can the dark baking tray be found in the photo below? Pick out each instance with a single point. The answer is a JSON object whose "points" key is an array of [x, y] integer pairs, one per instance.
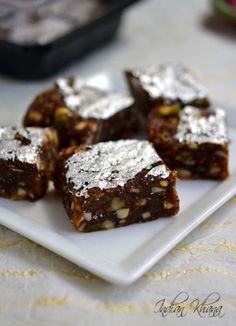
{"points": [[40, 61]]}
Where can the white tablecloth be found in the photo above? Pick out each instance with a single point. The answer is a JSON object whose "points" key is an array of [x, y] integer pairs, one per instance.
{"points": [[38, 287]]}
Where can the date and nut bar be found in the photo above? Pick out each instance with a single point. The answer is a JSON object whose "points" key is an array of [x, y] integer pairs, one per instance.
{"points": [[115, 183], [167, 87], [83, 114], [27, 157], [194, 143]]}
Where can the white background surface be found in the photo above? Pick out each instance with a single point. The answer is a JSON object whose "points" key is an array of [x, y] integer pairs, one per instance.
{"points": [[40, 288]]}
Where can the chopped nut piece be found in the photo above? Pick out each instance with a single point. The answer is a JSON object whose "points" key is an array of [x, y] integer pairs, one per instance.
{"points": [[169, 109], [122, 213], [117, 203], [135, 190], [215, 170], [21, 192], [88, 216], [40, 164], [146, 215], [221, 154], [141, 202], [61, 113], [107, 224], [81, 125], [165, 136], [168, 205], [183, 173], [190, 162], [35, 116], [157, 189], [193, 146]]}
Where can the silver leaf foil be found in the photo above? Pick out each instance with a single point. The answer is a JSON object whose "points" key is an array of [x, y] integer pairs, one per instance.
{"points": [[171, 83], [197, 127], [14, 149], [91, 102], [111, 164]]}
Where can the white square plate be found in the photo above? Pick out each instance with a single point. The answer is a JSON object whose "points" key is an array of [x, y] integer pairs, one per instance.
{"points": [[121, 255]]}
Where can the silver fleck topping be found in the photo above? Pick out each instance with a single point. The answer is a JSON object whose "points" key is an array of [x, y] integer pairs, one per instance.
{"points": [[14, 149], [196, 127], [91, 102], [111, 164], [160, 170], [170, 82]]}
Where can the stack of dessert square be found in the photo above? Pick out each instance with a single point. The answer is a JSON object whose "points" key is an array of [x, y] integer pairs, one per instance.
{"points": [[189, 134], [106, 180]]}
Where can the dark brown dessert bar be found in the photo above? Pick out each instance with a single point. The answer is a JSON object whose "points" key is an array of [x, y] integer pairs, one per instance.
{"points": [[27, 157], [83, 114], [194, 143], [166, 87], [114, 184]]}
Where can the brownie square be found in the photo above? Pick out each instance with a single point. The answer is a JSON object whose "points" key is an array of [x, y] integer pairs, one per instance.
{"points": [[115, 183], [27, 157], [194, 142], [83, 114], [167, 87]]}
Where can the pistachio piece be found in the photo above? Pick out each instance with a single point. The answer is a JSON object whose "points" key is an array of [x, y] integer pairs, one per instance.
{"points": [[163, 183]]}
